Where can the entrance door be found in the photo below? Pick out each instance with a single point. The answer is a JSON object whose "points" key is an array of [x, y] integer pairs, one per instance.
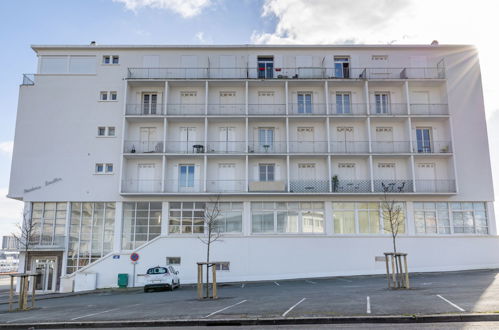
{"points": [[382, 103], [47, 268], [146, 180], [227, 177], [227, 137], [305, 139], [147, 139], [423, 139], [345, 140], [149, 104], [265, 67], [187, 139], [265, 139]]}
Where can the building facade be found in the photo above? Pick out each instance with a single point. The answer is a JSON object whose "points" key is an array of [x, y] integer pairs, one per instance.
{"points": [[121, 149]]}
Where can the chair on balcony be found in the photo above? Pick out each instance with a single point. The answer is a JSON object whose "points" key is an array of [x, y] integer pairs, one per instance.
{"points": [[401, 188]]}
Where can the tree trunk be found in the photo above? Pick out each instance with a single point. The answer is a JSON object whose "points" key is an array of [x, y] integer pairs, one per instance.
{"points": [[208, 267]]}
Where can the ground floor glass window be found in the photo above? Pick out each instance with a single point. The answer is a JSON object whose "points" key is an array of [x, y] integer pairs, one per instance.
{"points": [[49, 223], [141, 223]]}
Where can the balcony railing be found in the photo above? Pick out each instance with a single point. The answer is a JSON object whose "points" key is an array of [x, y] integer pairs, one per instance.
{"points": [[347, 147], [351, 186], [226, 147], [305, 109], [185, 109], [225, 185], [393, 186], [348, 109], [307, 146], [436, 186], [429, 109], [186, 147], [28, 79], [226, 109], [141, 147], [141, 186], [391, 146], [184, 186], [144, 109], [267, 148], [380, 109], [435, 147], [267, 109], [287, 73], [309, 186]]}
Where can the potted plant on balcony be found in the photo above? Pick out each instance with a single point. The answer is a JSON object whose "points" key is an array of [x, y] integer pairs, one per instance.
{"points": [[133, 149], [335, 182]]}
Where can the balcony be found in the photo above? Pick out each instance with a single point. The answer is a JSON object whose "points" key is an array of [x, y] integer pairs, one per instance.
{"points": [[380, 109], [437, 72], [267, 186], [186, 186], [227, 109], [223, 186], [348, 109], [141, 186], [386, 147], [349, 147], [309, 186], [307, 146], [351, 186], [226, 147], [144, 109], [393, 186], [436, 186], [435, 147], [303, 109], [267, 109], [267, 148], [185, 147], [429, 109], [185, 109], [143, 147]]}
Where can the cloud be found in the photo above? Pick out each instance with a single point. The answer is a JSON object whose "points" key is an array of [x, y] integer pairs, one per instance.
{"points": [[10, 213], [185, 8], [7, 147], [202, 38]]}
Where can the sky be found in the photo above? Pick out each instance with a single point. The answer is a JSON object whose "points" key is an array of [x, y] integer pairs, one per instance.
{"points": [[27, 22]]}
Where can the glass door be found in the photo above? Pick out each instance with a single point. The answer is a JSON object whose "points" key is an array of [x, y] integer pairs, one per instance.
{"points": [[186, 177], [47, 268], [382, 103], [265, 139], [265, 67], [343, 103], [149, 104], [423, 139], [304, 103]]}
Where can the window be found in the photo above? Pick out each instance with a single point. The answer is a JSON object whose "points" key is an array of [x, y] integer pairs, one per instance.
{"points": [[343, 105], [287, 217], [265, 139], [110, 59], [266, 172], [104, 168], [469, 218], [91, 233], [114, 96], [173, 261], [423, 139], [67, 64], [141, 223], [108, 96], [305, 102], [109, 168], [99, 168], [432, 218], [101, 131], [186, 176], [230, 219], [186, 217], [342, 67], [223, 266], [103, 96], [364, 218], [106, 131], [265, 67], [49, 221], [111, 131], [382, 103]]}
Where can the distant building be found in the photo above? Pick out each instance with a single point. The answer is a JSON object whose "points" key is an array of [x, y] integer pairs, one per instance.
{"points": [[9, 243], [119, 149]]}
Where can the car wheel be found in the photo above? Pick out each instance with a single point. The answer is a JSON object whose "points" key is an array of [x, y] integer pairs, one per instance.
{"points": [[171, 286], [146, 290]]}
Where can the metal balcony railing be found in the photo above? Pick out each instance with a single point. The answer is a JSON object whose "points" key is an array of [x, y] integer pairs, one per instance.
{"points": [[305, 109], [141, 186], [307, 146], [384, 109], [309, 186], [350, 186], [144, 109], [141, 147], [225, 185], [28, 79], [186, 147], [347, 147], [391, 146], [429, 109], [226, 109], [184, 186], [287, 73], [267, 148], [435, 147], [393, 186], [348, 109], [267, 109], [436, 186], [185, 109], [226, 147]]}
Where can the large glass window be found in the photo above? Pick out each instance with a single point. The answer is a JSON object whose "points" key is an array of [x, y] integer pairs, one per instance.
{"points": [[469, 218], [141, 223], [49, 222], [283, 217], [432, 218], [91, 233], [230, 218]]}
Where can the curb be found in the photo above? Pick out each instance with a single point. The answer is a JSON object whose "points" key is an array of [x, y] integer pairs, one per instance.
{"points": [[261, 321]]}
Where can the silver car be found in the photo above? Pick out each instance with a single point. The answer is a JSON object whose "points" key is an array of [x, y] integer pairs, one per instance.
{"points": [[161, 278]]}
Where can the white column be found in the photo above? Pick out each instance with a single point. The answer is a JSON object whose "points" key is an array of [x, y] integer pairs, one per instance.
{"points": [[118, 227], [409, 219], [206, 98], [328, 134], [366, 97], [371, 172], [407, 96], [330, 173], [246, 181], [165, 133], [164, 218], [124, 128], [451, 128], [246, 218], [205, 171], [67, 231], [287, 172], [286, 92], [413, 174], [326, 96], [246, 97], [165, 99], [163, 174], [287, 135], [328, 214], [489, 206]]}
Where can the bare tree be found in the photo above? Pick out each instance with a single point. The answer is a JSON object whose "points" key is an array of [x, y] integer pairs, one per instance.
{"points": [[212, 232], [393, 216], [24, 236]]}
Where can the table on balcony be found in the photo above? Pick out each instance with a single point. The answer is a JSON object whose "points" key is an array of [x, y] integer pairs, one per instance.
{"points": [[198, 148]]}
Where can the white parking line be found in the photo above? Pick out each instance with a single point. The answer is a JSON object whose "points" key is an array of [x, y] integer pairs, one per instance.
{"points": [[24, 318], [80, 317], [291, 308], [277, 284], [221, 310], [368, 305], [451, 303], [311, 282]]}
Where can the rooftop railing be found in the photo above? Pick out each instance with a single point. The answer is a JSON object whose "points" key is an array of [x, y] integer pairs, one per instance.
{"points": [[286, 73]]}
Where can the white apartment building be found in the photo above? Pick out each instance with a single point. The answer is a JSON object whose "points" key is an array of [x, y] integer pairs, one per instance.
{"points": [[119, 149]]}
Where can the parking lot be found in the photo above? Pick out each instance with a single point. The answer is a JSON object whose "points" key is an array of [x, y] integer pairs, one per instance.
{"points": [[431, 293]]}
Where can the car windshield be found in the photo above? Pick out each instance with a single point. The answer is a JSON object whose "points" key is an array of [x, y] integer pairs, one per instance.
{"points": [[157, 270]]}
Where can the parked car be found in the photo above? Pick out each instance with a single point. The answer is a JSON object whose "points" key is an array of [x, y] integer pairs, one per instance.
{"points": [[161, 278]]}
